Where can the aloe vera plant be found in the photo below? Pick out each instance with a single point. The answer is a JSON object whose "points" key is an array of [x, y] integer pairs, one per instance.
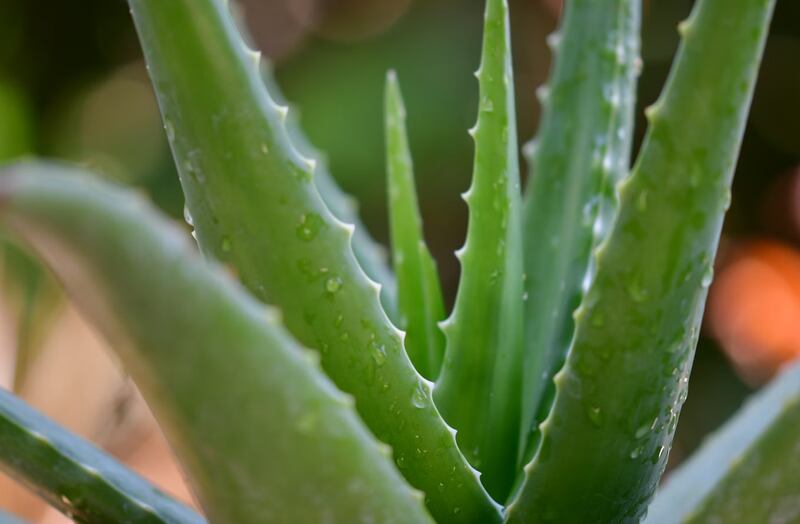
{"points": [[303, 391]]}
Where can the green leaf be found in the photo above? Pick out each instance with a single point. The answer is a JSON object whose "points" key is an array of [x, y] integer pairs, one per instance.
{"points": [[420, 294], [263, 435], [479, 389], [371, 256], [78, 479], [748, 471], [253, 203], [605, 442], [581, 152]]}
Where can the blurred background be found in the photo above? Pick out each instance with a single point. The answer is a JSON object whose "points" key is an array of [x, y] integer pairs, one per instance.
{"points": [[73, 86]]}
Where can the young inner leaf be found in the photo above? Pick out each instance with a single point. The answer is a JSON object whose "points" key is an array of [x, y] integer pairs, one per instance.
{"points": [[420, 294], [582, 150], [478, 391]]}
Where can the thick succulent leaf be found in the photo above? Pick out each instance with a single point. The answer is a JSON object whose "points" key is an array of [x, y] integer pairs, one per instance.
{"points": [[478, 390], [80, 480], [582, 150], [420, 294], [370, 255], [253, 204], [262, 433], [604, 443], [748, 471]]}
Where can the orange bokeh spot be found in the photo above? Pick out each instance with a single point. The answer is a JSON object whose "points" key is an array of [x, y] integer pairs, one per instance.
{"points": [[754, 309]]}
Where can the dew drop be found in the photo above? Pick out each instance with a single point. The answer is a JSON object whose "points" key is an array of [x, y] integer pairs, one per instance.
{"points": [[726, 200], [306, 423], [264, 148], [636, 453], [595, 415], [378, 352], [187, 216], [708, 276], [310, 224], [226, 244], [487, 106], [641, 202], [333, 284], [419, 398], [657, 454], [170, 129], [636, 291], [589, 212], [643, 430]]}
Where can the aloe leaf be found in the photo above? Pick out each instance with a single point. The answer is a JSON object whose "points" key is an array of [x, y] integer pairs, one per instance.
{"points": [[581, 152], [478, 391], [370, 255], [253, 204], [605, 441], [263, 435], [748, 471], [420, 294], [81, 481]]}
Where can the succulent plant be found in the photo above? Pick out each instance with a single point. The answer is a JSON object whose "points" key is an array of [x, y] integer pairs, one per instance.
{"points": [[299, 379]]}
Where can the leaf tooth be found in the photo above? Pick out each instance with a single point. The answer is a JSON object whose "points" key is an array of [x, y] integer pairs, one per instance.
{"points": [[274, 315], [554, 40], [384, 448], [684, 28], [310, 163], [466, 196], [530, 149], [313, 358], [447, 323], [418, 495], [543, 93], [43, 440], [460, 252], [255, 57], [653, 112]]}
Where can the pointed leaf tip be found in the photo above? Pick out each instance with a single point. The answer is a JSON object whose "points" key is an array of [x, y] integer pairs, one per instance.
{"points": [[478, 390], [419, 291]]}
